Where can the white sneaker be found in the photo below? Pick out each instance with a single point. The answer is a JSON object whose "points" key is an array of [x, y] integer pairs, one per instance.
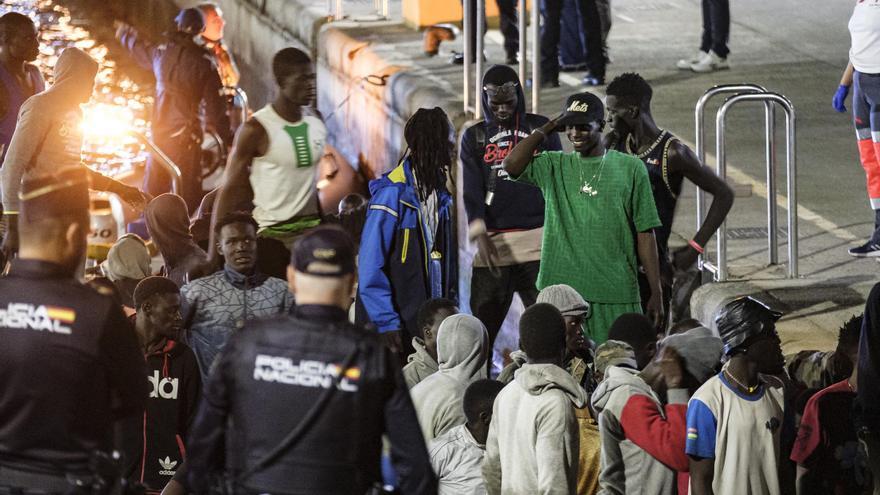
{"points": [[710, 63], [686, 63]]}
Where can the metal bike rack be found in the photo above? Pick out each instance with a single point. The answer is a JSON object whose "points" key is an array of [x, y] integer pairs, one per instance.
{"points": [[752, 92]]}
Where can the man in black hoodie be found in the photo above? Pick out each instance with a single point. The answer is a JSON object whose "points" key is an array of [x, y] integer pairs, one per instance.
{"points": [[154, 444], [506, 218]]}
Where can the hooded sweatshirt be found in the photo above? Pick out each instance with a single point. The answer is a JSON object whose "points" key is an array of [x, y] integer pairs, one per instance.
{"points": [[168, 224], [628, 468], [154, 443], [533, 438], [484, 146], [419, 365], [462, 345], [48, 136], [661, 431], [127, 263]]}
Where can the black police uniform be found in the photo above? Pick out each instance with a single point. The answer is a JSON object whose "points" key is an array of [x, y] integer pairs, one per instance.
{"points": [[69, 367], [320, 392]]}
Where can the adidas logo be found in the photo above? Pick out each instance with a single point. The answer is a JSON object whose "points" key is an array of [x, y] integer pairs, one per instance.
{"points": [[167, 466], [578, 106]]}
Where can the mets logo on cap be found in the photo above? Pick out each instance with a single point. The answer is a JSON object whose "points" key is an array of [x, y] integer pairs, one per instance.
{"points": [[582, 109]]}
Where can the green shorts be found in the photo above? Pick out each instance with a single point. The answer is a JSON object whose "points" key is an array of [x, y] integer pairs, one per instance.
{"points": [[603, 315]]}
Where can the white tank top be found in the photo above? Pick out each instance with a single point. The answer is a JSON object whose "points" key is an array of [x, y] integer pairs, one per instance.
{"points": [[283, 179]]}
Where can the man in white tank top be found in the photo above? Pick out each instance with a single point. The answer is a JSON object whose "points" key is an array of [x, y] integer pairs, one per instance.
{"points": [[273, 160]]}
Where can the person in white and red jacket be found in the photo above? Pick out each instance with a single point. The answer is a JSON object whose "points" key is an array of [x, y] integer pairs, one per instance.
{"points": [[154, 444], [642, 415]]}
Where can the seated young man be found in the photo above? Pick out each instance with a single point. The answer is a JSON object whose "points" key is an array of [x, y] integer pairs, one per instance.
{"points": [[457, 455], [154, 443], [423, 362], [217, 305]]}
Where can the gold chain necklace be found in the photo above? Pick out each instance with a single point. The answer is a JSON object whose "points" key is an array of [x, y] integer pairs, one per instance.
{"points": [[750, 389], [587, 187], [631, 145]]}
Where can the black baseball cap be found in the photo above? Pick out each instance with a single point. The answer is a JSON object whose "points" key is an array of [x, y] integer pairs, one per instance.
{"points": [[324, 252], [582, 109]]}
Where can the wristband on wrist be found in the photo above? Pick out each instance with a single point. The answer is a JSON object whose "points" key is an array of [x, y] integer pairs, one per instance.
{"points": [[692, 243]]}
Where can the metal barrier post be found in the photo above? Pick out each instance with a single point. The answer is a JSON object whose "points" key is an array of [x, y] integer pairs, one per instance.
{"points": [[700, 140], [536, 57], [163, 160], [770, 157], [478, 75], [523, 48], [468, 35], [791, 173]]}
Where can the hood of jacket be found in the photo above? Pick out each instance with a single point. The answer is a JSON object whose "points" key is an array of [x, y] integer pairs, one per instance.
{"points": [[168, 224], [498, 75], [537, 379], [421, 353], [617, 378], [462, 347], [128, 258], [74, 75]]}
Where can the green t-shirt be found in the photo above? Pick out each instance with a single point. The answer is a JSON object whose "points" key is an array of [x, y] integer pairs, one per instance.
{"points": [[590, 241]]}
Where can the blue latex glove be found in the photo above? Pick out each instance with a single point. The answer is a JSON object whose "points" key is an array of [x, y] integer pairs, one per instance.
{"points": [[840, 98]]}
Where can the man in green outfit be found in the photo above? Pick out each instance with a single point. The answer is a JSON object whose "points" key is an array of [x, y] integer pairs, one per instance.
{"points": [[599, 213]]}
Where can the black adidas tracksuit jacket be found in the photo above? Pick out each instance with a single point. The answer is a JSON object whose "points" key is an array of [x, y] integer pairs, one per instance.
{"points": [[154, 443]]}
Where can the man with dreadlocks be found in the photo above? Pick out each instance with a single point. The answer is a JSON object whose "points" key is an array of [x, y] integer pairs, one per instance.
{"points": [[668, 162], [408, 252]]}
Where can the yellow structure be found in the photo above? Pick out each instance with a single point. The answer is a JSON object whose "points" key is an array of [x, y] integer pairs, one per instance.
{"points": [[421, 13]]}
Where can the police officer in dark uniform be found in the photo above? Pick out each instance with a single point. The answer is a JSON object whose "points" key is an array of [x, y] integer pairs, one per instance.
{"points": [[186, 77], [69, 359], [309, 395]]}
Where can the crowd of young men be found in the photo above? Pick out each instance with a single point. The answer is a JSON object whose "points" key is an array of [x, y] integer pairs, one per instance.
{"points": [[349, 367]]}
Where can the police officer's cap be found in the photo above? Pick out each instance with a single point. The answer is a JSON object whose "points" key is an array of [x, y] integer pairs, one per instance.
{"points": [[50, 195], [743, 318], [324, 252]]}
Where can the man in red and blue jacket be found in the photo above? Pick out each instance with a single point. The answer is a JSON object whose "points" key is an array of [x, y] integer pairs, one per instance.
{"points": [[642, 415]]}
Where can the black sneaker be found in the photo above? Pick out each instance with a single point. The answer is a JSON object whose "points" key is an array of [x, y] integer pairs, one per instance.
{"points": [[867, 250]]}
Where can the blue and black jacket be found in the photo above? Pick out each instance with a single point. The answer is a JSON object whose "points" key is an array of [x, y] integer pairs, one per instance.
{"points": [[397, 268], [484, 145]]}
